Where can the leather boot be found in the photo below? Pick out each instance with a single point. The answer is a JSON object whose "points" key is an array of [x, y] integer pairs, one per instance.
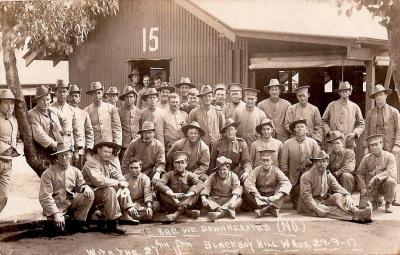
{"points": [[194, 214], [387, 207], [363, 214], [173, 216], [112, 227], [261, 212], [214, 215]]}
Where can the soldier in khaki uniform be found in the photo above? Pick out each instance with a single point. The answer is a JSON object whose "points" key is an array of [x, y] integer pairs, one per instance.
{"points": [[342, 161], [111, 96], [376, 175], [130, 116], [134, 79], [267, 186], [235, 93], [193, 101], [220, 96], [179, 189], [141, 102], [63, 191], [184, 87], [234, 148], [151, 113], [83, 123], [322, 196], [9, 145], [165, 90], [222, 191]]}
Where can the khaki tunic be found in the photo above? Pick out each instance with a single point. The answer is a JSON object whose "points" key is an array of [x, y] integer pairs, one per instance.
{"points": [[155, 117], [84, 123], [340, 163], [276, 112], [258, 145], [346, 118], [140, 188], [169, 127], [179, 183], [10, 146], [311, 114], [248, 122], [130, 118], [391, 126], [231, 108]]}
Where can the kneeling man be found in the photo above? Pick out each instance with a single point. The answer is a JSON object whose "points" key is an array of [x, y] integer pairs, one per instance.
{"points": [[179, 189], [321, 195], [266, 186], [222, 191], [64, 192]]}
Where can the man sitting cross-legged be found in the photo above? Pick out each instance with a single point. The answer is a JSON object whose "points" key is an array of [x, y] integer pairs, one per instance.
{"points": [[266, 186], [179, 189], [222, 191]]}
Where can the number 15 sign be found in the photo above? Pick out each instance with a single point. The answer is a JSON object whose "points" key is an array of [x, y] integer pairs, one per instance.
{"points": [[150, 39]]}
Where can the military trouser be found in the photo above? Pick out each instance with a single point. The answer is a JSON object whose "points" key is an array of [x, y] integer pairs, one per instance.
{"points": [[335, 207], [141, 207], [5, 181], [217, 203], [78, 209], [385, 188], [253, 203], [112, 201], [347, 181], [172, 204]]}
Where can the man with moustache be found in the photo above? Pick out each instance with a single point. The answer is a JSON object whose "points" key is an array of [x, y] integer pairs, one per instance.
{"points": [[222, 192], [10, 146], [235, 93], [198, 151], [83, 123], [165, 90], [148, 150]]}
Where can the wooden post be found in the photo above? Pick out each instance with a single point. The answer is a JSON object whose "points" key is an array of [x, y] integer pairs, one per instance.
{"points": [[370, 68]]}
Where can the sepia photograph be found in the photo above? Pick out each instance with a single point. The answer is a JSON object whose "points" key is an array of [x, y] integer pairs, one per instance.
{"points": [[185, 127]]}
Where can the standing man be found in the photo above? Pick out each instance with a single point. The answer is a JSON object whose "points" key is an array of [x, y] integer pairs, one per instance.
{"points": [[275, 108], [210, 120], [235, 93], [151, 112], [9, 146], [220, 96], [193, 101], [222, 192], [184, 86], [148, 150], [342, 161], [249, 116], [377, 174], [164, 90], [63, 191], [179, 189], [303, 109], [105, 119], [267, 186], [134, 79], [198, 151], [112, 96], [83, 123], [141, 103], [73, 136], [130, 116], [171, 123], [295, 154], [322, 196], [344, 116]]}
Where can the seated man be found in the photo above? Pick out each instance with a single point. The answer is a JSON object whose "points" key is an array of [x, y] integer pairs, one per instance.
{"points": [[199, 153], [342, 161], [179, 189], [266, 186], [321, 195], [222, 191], [63, 191], [376, 175], [109, 185], [141, 193]]}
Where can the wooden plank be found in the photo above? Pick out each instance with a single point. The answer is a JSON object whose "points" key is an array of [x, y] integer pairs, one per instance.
{"points": [[340, 52], [370, 68], [389, 74], [360, 54]]}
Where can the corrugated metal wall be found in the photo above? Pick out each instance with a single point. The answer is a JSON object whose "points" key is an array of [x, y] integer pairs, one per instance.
{"points": [[196, 50]]}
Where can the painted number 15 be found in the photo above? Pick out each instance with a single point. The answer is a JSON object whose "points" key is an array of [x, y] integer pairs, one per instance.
{"points": [[150, 39]]}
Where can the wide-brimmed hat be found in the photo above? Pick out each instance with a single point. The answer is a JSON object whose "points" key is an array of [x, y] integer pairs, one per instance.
{"points": [[379, 88], [106, 142], [185, 81], [41, 91], [263, 123], [128, 90], [344, 86], [94, 86], [299, 89], [7, 94], [149, 92], [373, 138], [206, 89], [219, 86], [74, 89], [112, 91], [180, 155], [61, 84], [334, 135], [274, 83], [166, 86], [61, 147], [235, 87], [222, 161], [320, 155], [133, 72], [250, 91], [195, 125], [147, 125], [229, 122], [265, 152], [293, 124]]}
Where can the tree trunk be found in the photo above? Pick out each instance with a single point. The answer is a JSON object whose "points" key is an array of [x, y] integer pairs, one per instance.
{"points": [[34, 158], [394, 43]]}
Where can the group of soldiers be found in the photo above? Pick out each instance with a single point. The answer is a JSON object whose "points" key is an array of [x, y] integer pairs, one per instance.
{"points": [[175, 149]]}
